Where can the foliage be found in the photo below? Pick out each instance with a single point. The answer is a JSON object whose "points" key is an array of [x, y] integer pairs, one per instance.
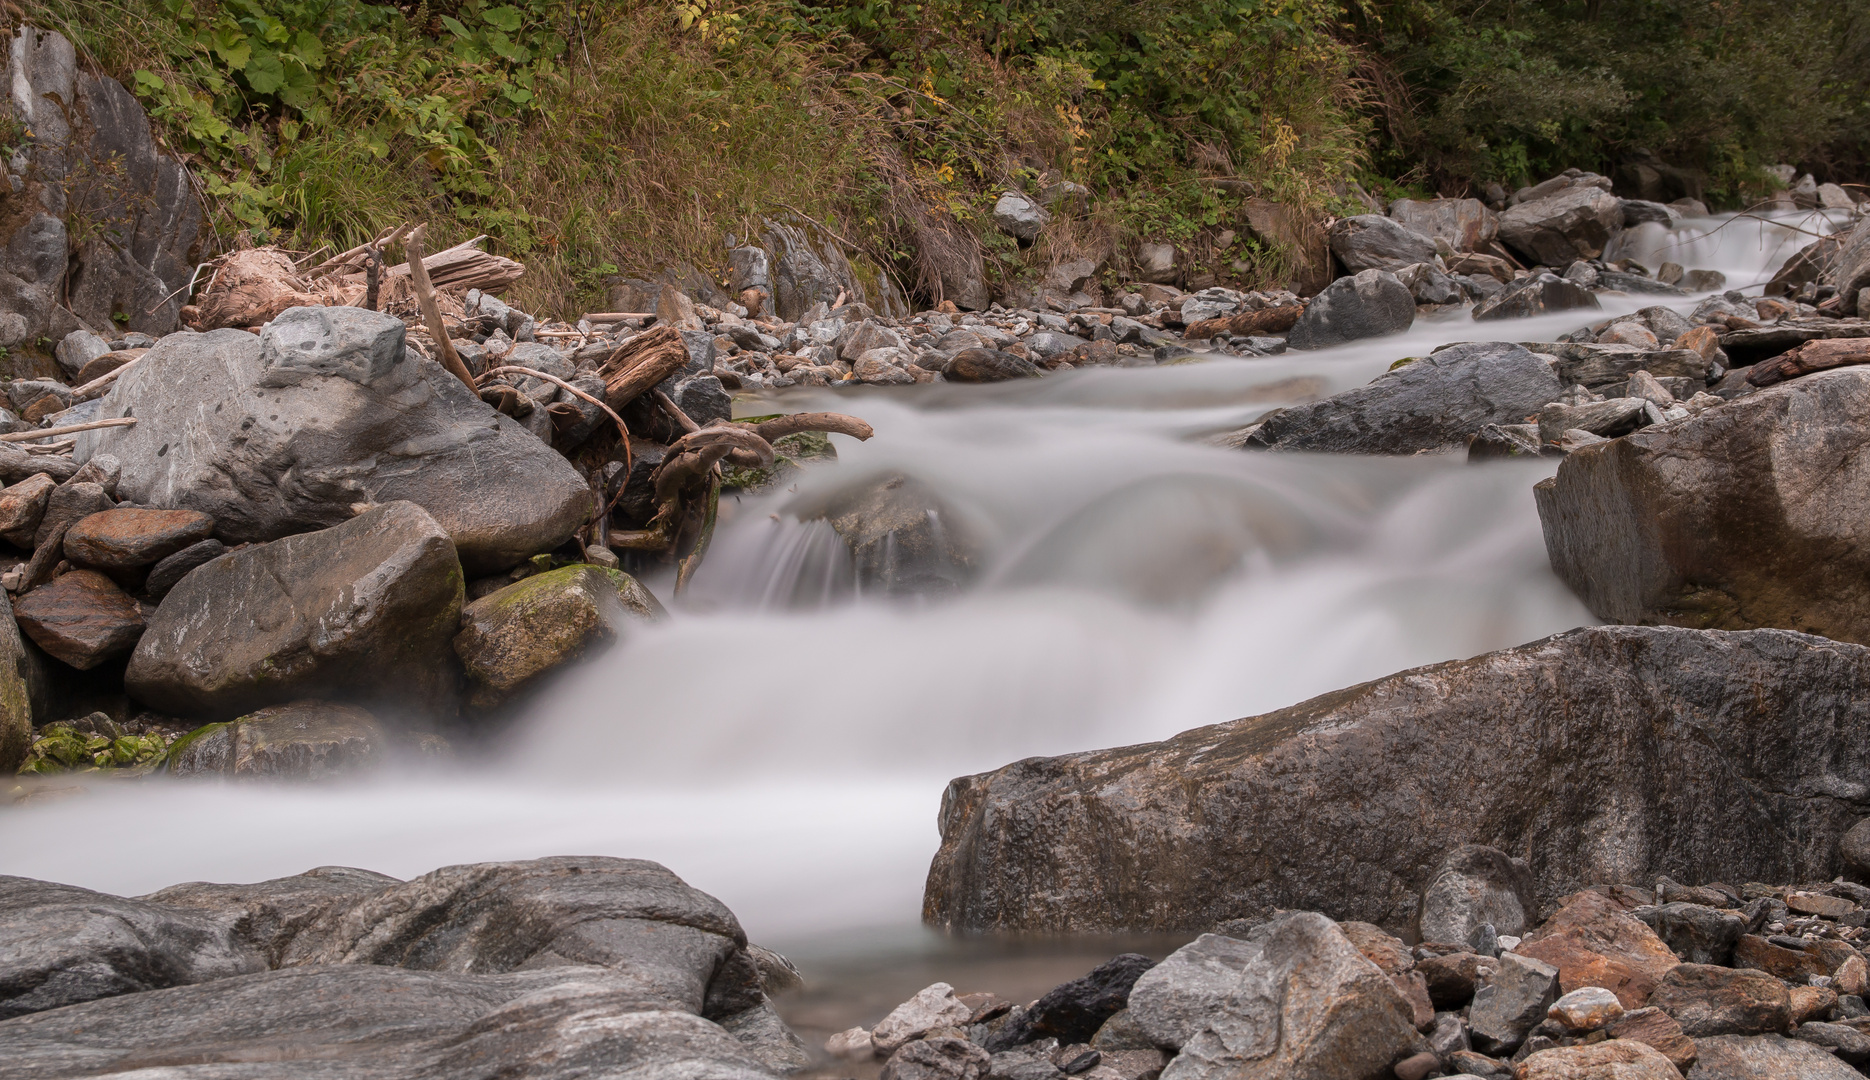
{"points": [[62, 748]]}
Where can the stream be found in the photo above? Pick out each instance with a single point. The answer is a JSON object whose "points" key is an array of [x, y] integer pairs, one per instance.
{"points": [[782, 742]]}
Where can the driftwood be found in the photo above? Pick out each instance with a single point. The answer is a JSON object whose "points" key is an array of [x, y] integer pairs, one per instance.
{"points": [[623, 430], [1820, 355], [640, 363], [835, 423], [1276, 320], [67, 429], [103, 382], [432, 313]]}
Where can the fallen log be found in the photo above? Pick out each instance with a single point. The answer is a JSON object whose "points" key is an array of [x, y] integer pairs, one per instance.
{"points": [[1820, 355], [432, 312], [640, 363], [1274, 320]]}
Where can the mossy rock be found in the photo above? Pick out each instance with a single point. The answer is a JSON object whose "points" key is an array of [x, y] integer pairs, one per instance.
{"points": [[305, 740], [512, 638], [790, 454]]}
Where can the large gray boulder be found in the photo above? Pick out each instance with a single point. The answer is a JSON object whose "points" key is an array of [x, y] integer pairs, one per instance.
{"points": [[1477, 885], [1435, 402], [1576, 223], [1703, 755], [1539, 294], [1374, 242], [1368, 304], [1752, 514], [1849, 268], [361, 611], [1466, 224], [561, 967], [1309, 1007], [1172, 1002], [90, 156], [325, 410]]}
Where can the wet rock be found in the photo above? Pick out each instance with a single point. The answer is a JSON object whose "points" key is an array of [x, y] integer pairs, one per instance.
{"points": [[1510, 1002], [1539, 294], [165, 574], [127, 538], [1466, 224], [1694, 932], [1658, 1030], [513, 637], [1620, 1059], [364, 610], [1341, 802], [1708, 1000], [1436, 402], [306, 740], [1765, 1057], [1374, 242], [1310, 1007], [82, 618], [1171, 1001], [944, 1058], [883, 367], [1596, 366], [988, 365], [1369, 304], [904, 539], [1727, 519], [933, 1007], [1638, 211], [1073, 1012], [22, 506], [1575, 223], [323, 411], [1476, 884], [1429, 284]]}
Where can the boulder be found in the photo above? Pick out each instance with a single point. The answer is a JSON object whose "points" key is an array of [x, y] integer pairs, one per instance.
{"points": [[1072, 1012], [1510, 1002], [1347, 802], [1695, 933], [127, 538], [1708, 1000], [554, 968], [934, 1006], [1369, 304], [1765, 1057], [1585, 1009], [1476, 885], [1742, 516], [1453, 978], [1638, 211], [1172, 1001], [1020, 217], [1374, 242], [363, 610], [1848, 269], [1430, 284], [904, 539], [22, 506], [988, 365], [1466, 224], [510, 638], [1436, 402], [1593, 942], [1309, 1007], [1538, 294], [325, 410], [71, 501], [82, 618], [945, 1058], [306, 740], [164, 575], [1576, 223], [1854, 850], [1657, 1030], [1619, 1059]]}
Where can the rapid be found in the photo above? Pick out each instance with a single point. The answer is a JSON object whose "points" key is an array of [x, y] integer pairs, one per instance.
{"points": [[783, 741]]}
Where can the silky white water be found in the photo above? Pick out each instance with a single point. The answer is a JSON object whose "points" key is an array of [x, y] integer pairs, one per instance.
{"points": [[782, 742]]}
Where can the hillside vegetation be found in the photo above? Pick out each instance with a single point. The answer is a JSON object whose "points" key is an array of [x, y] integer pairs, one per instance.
{"points": [[603, 138]]}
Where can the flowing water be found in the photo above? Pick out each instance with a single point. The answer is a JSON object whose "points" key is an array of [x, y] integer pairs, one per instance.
{"points": [[783, 741]]}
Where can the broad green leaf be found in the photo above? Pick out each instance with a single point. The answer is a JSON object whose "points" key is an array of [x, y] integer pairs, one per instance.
{"points": [[503, 18], [454, 27], [309, 49], [265, 73], [232, 47]]}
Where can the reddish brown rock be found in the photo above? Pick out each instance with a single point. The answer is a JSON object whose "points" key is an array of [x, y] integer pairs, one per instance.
{"points": [[1657, 1030], [1380, 947], [82, 618], [21, 507], [1708, 1000], [1593, 942], [1452, 979], [1829, 907], [1811, 1002], [100, 366], [1791, 965], [1618, 1059], [126, 538]]}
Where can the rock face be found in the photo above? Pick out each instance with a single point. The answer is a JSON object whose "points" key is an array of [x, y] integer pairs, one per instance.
{"points": [[510, 638], [1746, 515], [1850, 269], [287, 432], [1347, 803], [1433, 403], [364, 610], [306, 740], [91, 155], [1576, 223], [1374, 242], [564, 967], [1370, 304], [1309, 1007]]}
